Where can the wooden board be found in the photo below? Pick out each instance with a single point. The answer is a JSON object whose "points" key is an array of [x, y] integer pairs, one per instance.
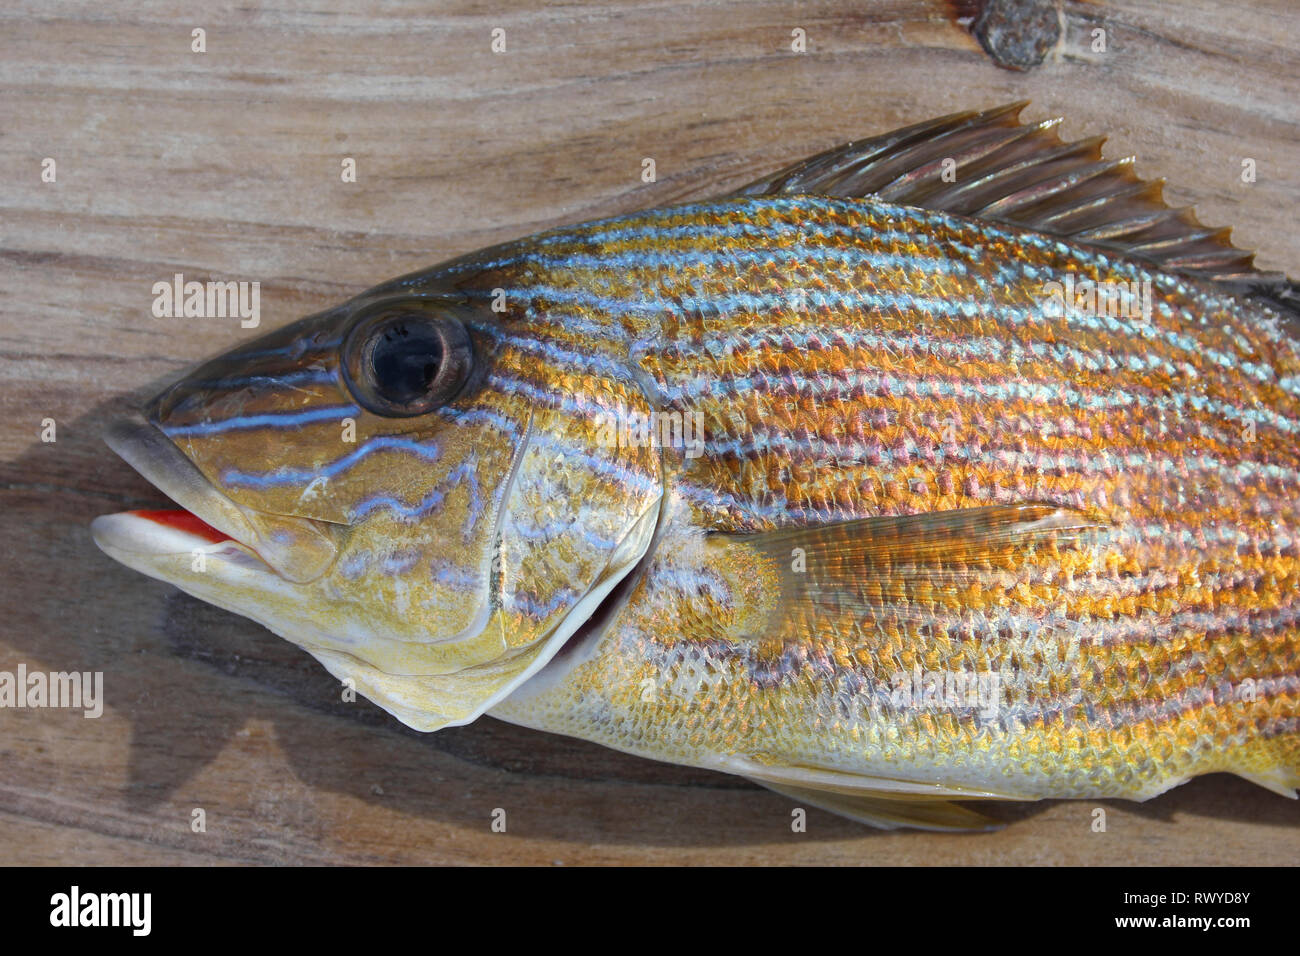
{"points": [[227, 165]]}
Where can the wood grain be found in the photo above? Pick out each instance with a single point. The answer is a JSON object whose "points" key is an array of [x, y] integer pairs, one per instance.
{"points": [[226, 165]]}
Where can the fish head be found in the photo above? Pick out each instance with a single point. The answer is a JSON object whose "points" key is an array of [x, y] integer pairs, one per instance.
{"points": [[417, 490]]}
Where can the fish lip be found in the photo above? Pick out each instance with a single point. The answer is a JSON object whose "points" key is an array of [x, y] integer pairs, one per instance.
{"points": [[147, 449], [140, 540], [161, 462]]}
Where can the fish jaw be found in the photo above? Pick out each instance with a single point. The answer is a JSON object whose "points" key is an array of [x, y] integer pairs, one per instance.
{"points": [[275, 569], [297, 549], [243, 561], [182, 550]]}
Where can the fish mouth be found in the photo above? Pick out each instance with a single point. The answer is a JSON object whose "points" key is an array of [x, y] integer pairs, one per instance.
{"points": [[208, 522]]}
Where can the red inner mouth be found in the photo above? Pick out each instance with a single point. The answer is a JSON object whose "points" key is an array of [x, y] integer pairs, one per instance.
{"points": [[185, 521]]}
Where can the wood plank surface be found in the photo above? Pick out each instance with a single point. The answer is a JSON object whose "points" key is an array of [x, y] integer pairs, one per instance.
{"points": [[226, 164]]}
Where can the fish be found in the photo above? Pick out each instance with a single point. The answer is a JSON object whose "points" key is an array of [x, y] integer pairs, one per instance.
{"points": [[945, 467]]}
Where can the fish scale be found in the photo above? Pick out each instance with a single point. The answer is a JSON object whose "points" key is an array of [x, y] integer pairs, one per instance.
{"points": [[1132, 473]]}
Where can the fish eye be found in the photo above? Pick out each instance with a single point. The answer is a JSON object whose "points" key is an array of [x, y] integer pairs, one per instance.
{"points": [[403, 361]]}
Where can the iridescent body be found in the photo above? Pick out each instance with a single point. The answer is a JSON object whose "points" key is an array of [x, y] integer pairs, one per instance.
{"points": [[922, 376], [845, 359]]}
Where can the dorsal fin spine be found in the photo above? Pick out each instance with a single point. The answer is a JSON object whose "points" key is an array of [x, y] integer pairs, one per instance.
{"points": [[1024, 174]]}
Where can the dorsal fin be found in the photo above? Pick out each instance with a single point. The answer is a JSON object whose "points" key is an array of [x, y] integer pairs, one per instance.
{"points": [[1026, 175]]}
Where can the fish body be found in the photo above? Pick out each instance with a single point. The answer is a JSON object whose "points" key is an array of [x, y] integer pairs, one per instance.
{"points": [[923, 377], [860, 499]]}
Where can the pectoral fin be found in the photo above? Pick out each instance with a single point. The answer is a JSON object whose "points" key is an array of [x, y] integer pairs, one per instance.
{"points": [[912, 565]]}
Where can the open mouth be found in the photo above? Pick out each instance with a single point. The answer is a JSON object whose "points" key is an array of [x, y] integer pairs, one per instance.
{"points": [[146, 539], [178, 519], [207, 521]]}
